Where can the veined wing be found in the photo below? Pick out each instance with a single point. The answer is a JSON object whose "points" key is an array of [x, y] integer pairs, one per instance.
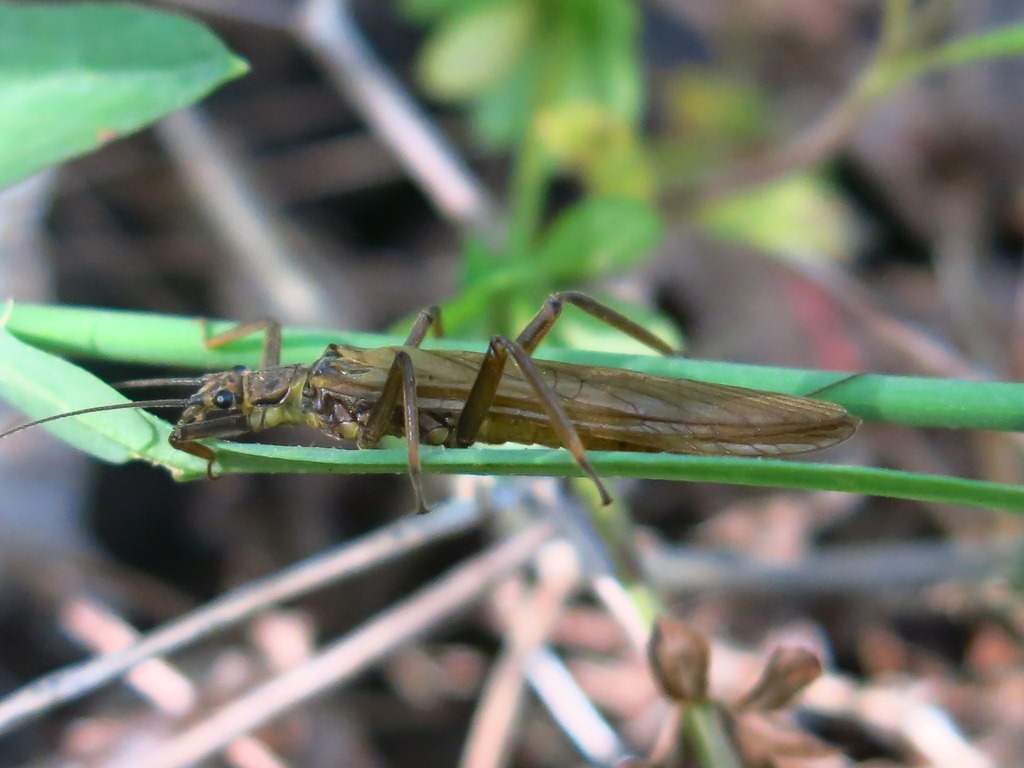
{"points": [[626, 410]]}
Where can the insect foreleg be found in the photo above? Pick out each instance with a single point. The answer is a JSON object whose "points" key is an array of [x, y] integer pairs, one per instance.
{"points": [[481, 396], [271, 330], [548, 315], [401, 380], [198, 450]]}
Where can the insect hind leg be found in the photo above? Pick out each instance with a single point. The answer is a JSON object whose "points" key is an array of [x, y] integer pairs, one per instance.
{"points": [[482, 394], [428, 319], [548, 315], [271, 330]]}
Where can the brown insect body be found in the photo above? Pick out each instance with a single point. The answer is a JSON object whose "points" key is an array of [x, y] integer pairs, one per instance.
{"points": [[610, 408], [456, 398]]}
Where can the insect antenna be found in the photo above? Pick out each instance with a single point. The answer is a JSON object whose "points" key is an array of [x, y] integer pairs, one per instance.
{"points": [[192, 381], [175, 403]]}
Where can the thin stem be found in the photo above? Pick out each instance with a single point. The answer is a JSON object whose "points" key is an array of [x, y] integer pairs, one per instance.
{"points": [[704, 724], [530, 177], [351, 558], [398, 625]]}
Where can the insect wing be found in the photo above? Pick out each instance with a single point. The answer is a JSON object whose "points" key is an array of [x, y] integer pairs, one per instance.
{"points": [[615, 409], [626, 410], [687, 416]]}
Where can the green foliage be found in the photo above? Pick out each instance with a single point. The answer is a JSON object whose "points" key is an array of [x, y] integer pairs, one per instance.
{"points": [[594, 238], [797, 217], [476, 49], [561, 83], [597, 237], [598, 146], [75, 76], [902, 65], [42, 385], [514, 58]]}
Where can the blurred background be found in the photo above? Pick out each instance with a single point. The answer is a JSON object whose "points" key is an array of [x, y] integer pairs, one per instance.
{"points": [[787, 183]]}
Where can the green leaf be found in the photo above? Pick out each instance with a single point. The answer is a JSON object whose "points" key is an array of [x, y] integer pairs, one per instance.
{"points": [[710, 108], [598, 57], [798, 217], [573, 52], [591, 239], [1000, 42], [472, 51], [75, 76], [599, 145], [768, 473], [43, 385], [587, 54], [501, 114], [894, 69], [478, 260], [598, 236]]}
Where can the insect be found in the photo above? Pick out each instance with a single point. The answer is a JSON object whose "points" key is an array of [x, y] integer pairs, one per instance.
{"points": [[455, 398]]}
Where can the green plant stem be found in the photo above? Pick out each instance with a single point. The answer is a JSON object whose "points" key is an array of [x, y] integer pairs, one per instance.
{"points": [[768, 473], [703, 723], [164, 340], [530, 178]]}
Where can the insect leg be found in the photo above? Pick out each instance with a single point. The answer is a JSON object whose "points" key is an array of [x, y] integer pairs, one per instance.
{"points": [[833, 385], [429, 318], [539, 327], [486, 385], [198, 450], [401, 380], [271, 330]]}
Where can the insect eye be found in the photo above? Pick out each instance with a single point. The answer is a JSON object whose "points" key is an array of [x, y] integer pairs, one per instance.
{"points": [[224, 399]]}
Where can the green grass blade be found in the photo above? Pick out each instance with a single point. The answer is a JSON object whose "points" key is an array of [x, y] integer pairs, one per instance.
{"points": [[42, 385], [770, 473]]}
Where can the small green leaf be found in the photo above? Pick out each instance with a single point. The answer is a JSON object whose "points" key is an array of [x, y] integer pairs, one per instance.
{"points": [[599, 145], [479, 260], [1003, 41], [43, 385], [472, 51], [595, 56], [75, 76], [501, 114], [796, 217], [599, 236], [707, 107]]}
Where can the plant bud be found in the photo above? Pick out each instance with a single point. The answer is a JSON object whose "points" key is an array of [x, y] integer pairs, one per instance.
{"points": [[787, 673], [679, 658]]}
